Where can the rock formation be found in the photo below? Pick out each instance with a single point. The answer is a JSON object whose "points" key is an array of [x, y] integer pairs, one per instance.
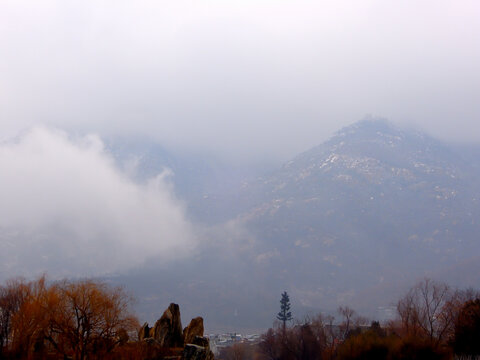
{"points": [[167, 335], [201, 341], [198, 350], [195, 328], [144, 332], [168, 329]]}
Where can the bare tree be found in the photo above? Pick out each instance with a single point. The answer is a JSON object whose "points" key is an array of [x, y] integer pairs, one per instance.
{"points": [[347, 322], [270, 345], [238, 351], [319, 330], [428, 311]]}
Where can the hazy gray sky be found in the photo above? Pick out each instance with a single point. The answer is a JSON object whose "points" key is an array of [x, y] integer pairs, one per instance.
{"points": [[248, 80], [242, 78]]}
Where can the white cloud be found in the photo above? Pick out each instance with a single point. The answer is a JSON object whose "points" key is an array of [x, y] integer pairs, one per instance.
{"points": [[66, 209]]}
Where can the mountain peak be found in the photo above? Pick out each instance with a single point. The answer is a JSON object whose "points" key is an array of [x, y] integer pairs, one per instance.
{"points": [[370, 126], [370, 121]]}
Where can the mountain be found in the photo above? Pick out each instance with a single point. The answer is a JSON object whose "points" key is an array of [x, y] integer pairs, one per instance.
{"points": [[355, 220], [204, 182], [372, 205]]}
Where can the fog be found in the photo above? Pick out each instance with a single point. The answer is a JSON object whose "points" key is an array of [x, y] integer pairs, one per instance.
{"points": [[67, 210], [242, 79], [249, 82]]}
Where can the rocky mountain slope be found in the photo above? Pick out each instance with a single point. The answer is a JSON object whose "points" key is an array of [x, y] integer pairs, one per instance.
{"points": [[373, 204], [353, 221]]}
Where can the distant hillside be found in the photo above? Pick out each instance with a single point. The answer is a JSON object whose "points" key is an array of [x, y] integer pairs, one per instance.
{"points": [[354, 221], [372, 204], [205, 183]]}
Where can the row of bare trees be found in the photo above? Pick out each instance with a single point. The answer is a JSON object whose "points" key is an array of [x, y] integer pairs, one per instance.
{"points": [[434, 322], [66, 319]]}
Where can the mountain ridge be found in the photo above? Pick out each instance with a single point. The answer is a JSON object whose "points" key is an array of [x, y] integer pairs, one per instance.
{"points": [[350, 221]]}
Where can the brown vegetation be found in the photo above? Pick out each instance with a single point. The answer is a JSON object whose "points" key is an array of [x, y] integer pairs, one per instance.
{"points": [[466, 341], [434, 322], [68, 319], [91, 320]]}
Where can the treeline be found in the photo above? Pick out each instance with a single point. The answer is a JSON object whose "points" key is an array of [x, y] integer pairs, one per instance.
{"points": [[90, 320], [62, 320], [433, 322]]}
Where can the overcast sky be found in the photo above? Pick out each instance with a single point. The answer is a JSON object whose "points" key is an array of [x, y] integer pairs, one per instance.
{"points": [[248, 80], [240, 78]]}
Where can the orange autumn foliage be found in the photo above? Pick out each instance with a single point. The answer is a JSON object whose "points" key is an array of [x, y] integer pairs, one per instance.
{"points": [[77, 319]]}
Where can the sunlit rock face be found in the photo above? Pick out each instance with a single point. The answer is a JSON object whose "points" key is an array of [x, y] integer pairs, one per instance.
{"points": [[194, 329]]}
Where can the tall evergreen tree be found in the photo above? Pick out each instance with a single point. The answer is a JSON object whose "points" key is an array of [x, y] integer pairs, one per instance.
{"points": [[284, 315]]}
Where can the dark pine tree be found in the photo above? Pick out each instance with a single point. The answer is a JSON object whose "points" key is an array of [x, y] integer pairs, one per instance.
{"points": [[284, 315]]}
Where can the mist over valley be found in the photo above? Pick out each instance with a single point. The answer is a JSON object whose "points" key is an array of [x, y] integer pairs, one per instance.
{"points": [[355, 220], [219, 155]]}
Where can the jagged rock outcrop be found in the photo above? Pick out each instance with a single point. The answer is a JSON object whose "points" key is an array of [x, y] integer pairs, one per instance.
{"points": [[201, 341], [168, 329], [144, 332], [167, 336], [195, 328], [197, 352]]}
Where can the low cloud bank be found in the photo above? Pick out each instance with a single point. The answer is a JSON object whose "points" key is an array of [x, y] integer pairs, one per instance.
{"points": [[67, 210]]}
